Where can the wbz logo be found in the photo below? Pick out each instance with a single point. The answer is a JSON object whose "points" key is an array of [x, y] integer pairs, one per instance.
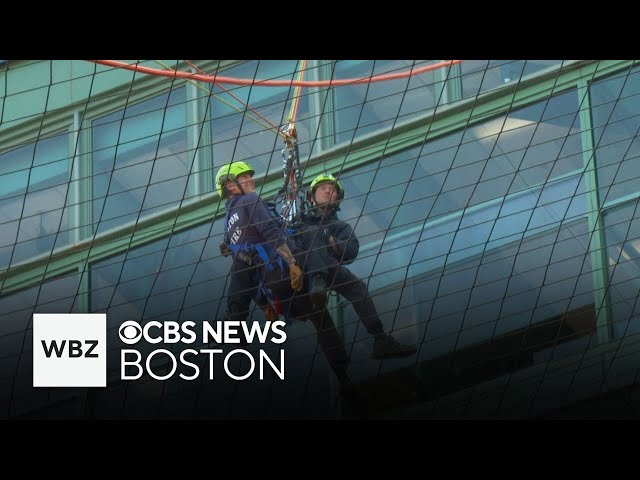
{"points": [[69, 350], [75, 348]]}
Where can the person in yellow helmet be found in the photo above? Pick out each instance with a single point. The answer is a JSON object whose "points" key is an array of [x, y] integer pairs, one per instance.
{"points": [[261, 255], [252, 234], [335, 244]]}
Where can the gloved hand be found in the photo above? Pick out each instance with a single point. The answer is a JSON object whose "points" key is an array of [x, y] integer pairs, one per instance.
{"points": [[270, 314], [224, 249], [297, 279]]}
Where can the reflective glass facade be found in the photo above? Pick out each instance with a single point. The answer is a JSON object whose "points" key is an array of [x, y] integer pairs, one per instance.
{"points": [[494, 201]]}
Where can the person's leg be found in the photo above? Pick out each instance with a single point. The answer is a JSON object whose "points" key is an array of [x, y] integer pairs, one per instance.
{"points": [[329, 339], [331, 344], [316, 262], [242, 289], [276, 280], [355, 290]]}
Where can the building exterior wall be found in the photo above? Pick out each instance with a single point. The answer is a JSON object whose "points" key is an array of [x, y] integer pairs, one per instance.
{"points": [[495, 203]]}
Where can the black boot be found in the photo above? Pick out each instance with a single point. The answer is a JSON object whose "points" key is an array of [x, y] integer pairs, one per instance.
{"points": [[318, 291]]}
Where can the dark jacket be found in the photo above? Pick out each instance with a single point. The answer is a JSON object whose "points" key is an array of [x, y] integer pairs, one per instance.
{"points": [[249, 220], [319, 226]]}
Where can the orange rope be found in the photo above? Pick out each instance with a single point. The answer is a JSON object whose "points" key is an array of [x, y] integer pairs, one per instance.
{"points": [[217, 79], [238, 99], [296, 94]]}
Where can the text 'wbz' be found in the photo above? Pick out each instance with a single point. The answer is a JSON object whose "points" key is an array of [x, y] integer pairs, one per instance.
{"points": [[162, 364]]}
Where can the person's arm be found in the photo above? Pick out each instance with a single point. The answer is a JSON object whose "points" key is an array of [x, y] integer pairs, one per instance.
{"points": [[284, 251], [271, 231], [265, 224], [344, 243], [295, 272]]}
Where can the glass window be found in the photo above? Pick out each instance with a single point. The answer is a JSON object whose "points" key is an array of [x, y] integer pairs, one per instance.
{"points": [[484, 192], [622, 235], [615, 106], [487, 229], [362, 109], [158, 281], [140, 160], [57, 295], [33, 190], [525, 148], [479, 76], [163, 278], [241, 134]]}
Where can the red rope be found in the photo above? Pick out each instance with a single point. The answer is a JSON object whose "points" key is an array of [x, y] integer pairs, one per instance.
{"points": [[217, 79]]}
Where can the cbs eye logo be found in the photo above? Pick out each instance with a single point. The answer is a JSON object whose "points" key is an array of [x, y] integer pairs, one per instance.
{"points": [[130, 332]]}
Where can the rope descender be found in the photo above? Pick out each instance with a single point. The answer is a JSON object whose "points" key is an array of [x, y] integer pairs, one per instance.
{"points": [[292, 187]]}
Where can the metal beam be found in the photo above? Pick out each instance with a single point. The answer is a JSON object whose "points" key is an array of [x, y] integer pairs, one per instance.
{"points": [[597, 245]]}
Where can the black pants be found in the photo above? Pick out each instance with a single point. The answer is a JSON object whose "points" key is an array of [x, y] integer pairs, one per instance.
{"points": [[243, 288], [318, 260], [355, 290], [245, 280], [329, 339]]}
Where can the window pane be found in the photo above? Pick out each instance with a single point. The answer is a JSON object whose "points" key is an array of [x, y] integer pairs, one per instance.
{"points": [[480, 239], [57, 295], [362, 109], [239, 133], [33, 187], [140, 160], [616, 103], [479, 76], [623, 255]]}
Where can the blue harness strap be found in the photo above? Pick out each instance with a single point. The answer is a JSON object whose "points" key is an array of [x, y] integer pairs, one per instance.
{"points": [[267, 254]]}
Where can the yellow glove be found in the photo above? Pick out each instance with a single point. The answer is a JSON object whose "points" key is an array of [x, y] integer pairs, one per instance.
{"points": [[270, 314], [297, 279]]}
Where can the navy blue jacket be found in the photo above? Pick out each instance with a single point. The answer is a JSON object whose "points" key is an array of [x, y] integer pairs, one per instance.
{"points": [[324, 225], [251, 221]]}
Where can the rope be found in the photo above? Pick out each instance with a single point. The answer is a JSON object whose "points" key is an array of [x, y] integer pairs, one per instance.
{"points": [[268, 125], [293, 112], [218, 79]]}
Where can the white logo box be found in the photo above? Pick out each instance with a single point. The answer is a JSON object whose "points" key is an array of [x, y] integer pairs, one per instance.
{"points": [[76, 348]]}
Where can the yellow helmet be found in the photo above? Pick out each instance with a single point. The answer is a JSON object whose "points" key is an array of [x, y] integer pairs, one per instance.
{"points": [[229, 172], [324, 178]]}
